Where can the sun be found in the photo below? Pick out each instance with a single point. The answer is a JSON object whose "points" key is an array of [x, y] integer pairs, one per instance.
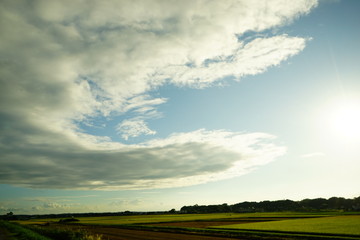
{"points": [[344, 118]]}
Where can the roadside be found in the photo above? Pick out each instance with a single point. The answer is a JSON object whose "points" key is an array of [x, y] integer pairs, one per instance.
{"points": [[5, 234]]}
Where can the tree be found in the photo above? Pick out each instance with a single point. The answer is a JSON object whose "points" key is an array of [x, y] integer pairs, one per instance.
{"points": [[10, 214]]}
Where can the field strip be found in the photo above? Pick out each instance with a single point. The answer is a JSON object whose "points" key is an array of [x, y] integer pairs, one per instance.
{"points": [[236, 233], [341, 225], [322, 235], [283, 225], [179, 217]]}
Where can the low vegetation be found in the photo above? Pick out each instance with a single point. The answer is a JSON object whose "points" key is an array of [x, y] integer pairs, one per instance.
{"points": [[333, 218], [20, 232], [349, 225], [30, 232], [68, 220], [276, 225]]}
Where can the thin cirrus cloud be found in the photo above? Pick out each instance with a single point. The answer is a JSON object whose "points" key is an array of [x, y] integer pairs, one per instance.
{"points": [[63, 62]]}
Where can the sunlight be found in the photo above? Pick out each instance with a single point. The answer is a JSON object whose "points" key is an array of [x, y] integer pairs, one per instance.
{"points": [[345, 119]]}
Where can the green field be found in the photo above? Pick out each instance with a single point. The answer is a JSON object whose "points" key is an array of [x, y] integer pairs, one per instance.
{"points": [[329, 225], [136, 219], [284, 225], [114, 220]]}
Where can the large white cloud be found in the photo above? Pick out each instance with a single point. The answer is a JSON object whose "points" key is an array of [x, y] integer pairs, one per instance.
{"points": [[63, 62]]}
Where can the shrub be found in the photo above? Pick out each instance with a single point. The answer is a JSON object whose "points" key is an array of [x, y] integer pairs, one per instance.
{"points": [[66, 220]]}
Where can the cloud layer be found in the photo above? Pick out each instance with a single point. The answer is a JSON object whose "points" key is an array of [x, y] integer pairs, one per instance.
{"points": [[65, 62], [180, 160]]}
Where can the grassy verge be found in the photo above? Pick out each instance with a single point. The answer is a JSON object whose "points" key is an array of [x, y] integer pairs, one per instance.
{"points": [[45, 233], [65, 233], [22, 233]]}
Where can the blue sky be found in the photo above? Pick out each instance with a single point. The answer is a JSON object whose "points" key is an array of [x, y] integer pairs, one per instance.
{"points": [[142, 105]]}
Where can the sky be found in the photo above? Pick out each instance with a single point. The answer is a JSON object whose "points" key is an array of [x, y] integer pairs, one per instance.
{"points": [[109, 106]]}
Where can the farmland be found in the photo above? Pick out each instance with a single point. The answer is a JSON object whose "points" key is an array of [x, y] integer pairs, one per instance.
{"points": [[329, 225], [284, 225]]}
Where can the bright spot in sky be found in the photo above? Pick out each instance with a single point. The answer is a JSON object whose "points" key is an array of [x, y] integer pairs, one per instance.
{"points": [[345, 119]]}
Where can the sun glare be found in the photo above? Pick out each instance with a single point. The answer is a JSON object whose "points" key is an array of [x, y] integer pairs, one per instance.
{"points": [[345, 119]]}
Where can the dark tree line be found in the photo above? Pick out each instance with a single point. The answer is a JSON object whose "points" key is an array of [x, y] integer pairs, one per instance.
{"points": [[68, 217], [317, 204]]}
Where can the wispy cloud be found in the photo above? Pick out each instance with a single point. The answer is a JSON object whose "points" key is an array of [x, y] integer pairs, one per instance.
{"points": [[133, 128], [144, 104], [56, 198], [63, 62], [126, 203], [249, 59], [145, 108]]}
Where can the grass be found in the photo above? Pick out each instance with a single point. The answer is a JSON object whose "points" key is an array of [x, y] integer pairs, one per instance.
{"points": [[42, 233], [139, 219], [326, 225], [65, 233], [114, 220], [136, 219], [287, 225], [20, 232]]}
